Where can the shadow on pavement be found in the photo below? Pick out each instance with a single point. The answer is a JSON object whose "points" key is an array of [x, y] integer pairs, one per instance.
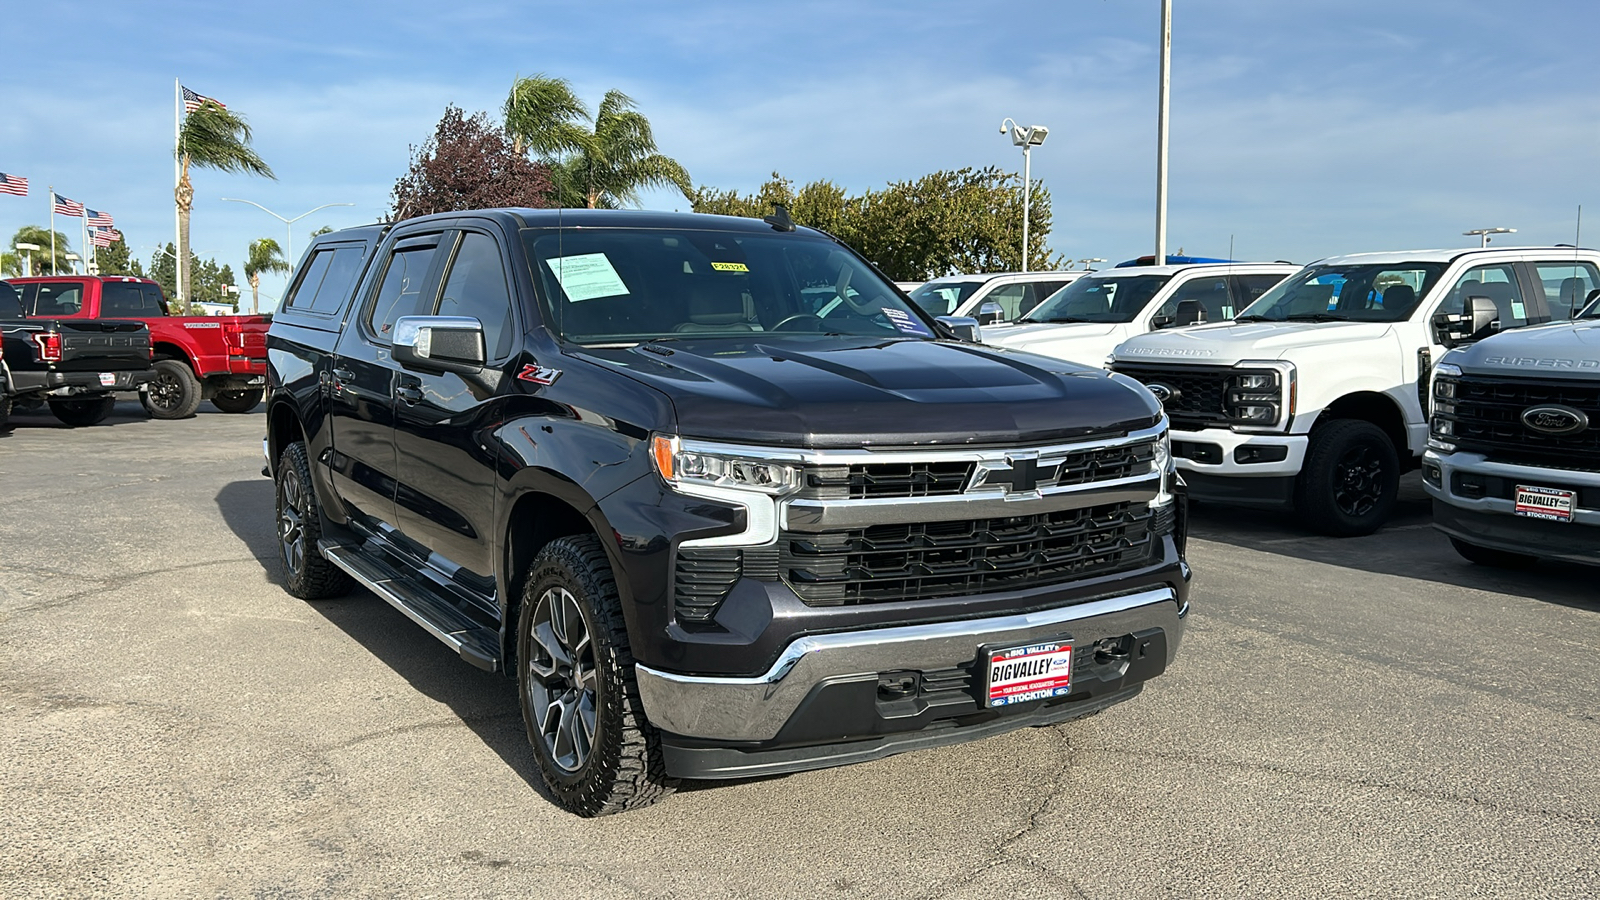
{"points": [[125, 412], [485, 702], [1408, 546]]}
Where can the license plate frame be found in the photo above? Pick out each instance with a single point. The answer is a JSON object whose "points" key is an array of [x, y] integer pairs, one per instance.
{"points": [[108, 379], [1045, 671], [1547, 504]]}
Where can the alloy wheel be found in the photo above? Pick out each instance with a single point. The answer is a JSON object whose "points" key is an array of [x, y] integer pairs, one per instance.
{"points": [[1358, 480], [165, 392], [291, 522], [562, 679]]}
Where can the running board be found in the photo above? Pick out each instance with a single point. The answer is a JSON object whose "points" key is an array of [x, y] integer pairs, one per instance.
{"points": [[477, 644]]}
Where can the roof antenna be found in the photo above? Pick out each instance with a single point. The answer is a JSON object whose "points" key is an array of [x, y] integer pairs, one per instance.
{"points": [[779, 220]]}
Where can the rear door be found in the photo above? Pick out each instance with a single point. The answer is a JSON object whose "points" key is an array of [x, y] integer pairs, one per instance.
{"points": [[446, 495], [362, 383]]}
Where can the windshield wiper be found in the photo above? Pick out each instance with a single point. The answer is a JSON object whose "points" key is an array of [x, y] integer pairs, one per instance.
{"points": [[1056, 320], [1315, 317], [1253, 319]]}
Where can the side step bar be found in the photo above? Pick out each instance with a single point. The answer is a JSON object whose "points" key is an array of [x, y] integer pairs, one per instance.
{"points": [[476, 644]]}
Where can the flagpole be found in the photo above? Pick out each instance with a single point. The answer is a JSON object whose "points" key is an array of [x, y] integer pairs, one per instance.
{"points": [[177, 179], [53, 231]]}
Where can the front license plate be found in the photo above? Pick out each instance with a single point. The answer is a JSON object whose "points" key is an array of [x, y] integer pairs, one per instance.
{"points": [[1550, 504], [1029, 672], [107, 379]]}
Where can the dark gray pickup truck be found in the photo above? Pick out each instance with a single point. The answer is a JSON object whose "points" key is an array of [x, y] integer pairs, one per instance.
{"points": [[74, 365]]}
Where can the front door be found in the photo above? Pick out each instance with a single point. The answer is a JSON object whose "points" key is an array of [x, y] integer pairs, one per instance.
{"points": [[362, 389], [443, 423]]}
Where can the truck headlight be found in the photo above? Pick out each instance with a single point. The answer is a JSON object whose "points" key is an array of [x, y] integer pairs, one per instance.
{"points": [[1161, 462], [1254, 397], [711, 466]]}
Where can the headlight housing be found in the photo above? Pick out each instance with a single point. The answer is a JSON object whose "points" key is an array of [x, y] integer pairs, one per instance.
{"points": [[1441, 421], [1161, 462], [1255, 397], [681, 463]]}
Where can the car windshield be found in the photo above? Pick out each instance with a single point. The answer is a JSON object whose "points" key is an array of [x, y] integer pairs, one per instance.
{"points": [[943, 298], [626, 286], [1095, 298], [1381, 292]]}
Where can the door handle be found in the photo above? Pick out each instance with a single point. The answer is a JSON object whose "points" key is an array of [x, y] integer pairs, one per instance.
{"points": [[411, 394], [344, 374]]}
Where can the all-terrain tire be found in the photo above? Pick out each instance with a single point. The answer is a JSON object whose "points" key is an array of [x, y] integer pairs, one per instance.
{"points": [[1348, 483], [90, 411], [174, 392], [623, 767], [307, 574], [237, 401], [1489, 556]]}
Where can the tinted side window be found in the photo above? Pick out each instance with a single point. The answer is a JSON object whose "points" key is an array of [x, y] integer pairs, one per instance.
{"points": [[58, 300], [1566, 285], [403, 280], [340, 282], [124, 298], [304, 292], [153, 301], [1498, 283], [476, 288], [1010, 298], [10, 302], [1211, 291], [1247, 289]]}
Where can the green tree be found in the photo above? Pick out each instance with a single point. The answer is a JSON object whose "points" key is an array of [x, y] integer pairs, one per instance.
{"points": [[211, 138], [603, 167], [116, 260], [326, 229], [264, 255], [11, 261]]}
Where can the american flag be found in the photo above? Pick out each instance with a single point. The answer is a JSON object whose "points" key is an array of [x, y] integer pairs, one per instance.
{"points": [[13, 184], [192, 101], [65, 207], [105, 237], [95, 217]]}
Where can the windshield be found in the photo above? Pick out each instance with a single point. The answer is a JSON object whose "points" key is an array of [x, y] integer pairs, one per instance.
{"points": [[943, 298], [614, 285], [1099, 299], [1384, 292]]}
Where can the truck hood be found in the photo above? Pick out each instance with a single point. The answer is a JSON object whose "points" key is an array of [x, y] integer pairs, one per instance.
{"points": [[1027, 335], [850, 392], [1562, 350], [1226, 343]]}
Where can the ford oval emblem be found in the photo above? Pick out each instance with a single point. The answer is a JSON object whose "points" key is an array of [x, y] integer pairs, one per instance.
{"points": [[1555, 420], [1163, 392]]}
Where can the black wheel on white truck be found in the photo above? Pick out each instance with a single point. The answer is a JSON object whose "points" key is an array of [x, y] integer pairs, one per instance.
{"points": [[1351, 475]]}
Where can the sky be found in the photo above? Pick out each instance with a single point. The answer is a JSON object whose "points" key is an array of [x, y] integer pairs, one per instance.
{"points": [[1298, 129]]}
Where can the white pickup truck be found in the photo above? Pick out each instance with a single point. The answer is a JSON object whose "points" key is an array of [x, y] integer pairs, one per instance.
{"points": [[1314, 397], [1083, 321]]}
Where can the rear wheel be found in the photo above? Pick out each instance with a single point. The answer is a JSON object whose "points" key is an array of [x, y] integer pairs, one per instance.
{"points": [[306, 573], [1488, 556], [91, 411], [5, 411], [1348, 483], [236, 401], [174, 392], [597, 753]]}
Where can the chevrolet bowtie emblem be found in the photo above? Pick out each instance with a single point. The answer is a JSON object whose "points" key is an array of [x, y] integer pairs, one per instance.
{"points": [[1022, 474]]}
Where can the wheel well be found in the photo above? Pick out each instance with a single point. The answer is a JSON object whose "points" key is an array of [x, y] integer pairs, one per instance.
{"points": [[1378, 409], [165, 350], [536, 520], [283, 429]]}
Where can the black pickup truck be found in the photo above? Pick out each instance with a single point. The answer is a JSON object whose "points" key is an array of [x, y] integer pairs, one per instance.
{"points": [[74, 365], [720, 498]]}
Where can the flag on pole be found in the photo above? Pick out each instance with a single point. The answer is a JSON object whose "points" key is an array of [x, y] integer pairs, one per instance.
{"points": [[13, 184], [105, 237], [64, 207], [96, 218], [192, 101]]}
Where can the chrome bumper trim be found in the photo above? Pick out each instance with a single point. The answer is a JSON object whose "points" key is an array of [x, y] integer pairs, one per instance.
{"points": [[827, 515], [755, 708]]}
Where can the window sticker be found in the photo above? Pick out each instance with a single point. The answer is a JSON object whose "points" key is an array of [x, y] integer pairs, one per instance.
{"points": [[1518, 311], [904, 321], [587, 276], [730, 267]]}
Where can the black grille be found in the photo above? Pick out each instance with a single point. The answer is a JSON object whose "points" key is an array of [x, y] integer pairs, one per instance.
{"points": [[703, 579], [1488, 420], [1198, 391], [925, 560], [869, 480], [1106, 463]]}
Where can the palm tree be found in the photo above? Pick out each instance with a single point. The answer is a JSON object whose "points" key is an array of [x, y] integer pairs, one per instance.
{"points": [[211, 138], [11, 261], [604, 167], [264, 255]]}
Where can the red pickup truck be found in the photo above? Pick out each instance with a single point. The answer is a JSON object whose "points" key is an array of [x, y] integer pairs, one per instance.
{"points": [[218, 358]]}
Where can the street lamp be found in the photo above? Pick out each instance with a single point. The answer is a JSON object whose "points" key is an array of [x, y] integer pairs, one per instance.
{"points": [[72, 259], [1026, 138], [27, 261], [1090, 262], [288, 224], [1485, 232]]}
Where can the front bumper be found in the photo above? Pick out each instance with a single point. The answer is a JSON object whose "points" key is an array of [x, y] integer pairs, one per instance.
{"points": [[1491, 521], [822, 701], [1220, 452]]}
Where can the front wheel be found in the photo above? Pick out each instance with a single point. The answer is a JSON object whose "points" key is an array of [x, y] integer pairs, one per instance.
{"points": [[1351, 475], [1488, 556], [174, 392], [237, 401], [76, 413], [597, 753], [307, 574]]}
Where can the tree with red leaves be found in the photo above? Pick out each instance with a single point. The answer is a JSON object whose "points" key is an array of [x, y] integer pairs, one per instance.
{"points": [[468, 164]]}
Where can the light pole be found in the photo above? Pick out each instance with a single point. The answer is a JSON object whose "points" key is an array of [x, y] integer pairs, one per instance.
{"points": [[1026, 138], [288, 224], [27, 260], [72, 262], [1087, 263], [1162, 115], [1484, 233]]}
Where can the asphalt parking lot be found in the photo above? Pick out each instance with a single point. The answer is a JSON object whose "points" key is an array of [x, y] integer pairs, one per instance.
{"points": [[1369, 717]]}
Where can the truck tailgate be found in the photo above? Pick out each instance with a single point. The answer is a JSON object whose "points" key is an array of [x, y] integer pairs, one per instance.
{"points": [[101, 345]]}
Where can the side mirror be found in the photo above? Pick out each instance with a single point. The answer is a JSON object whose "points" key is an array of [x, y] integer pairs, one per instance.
{"points": [[991, 313], [965, 328], [1159, 322], [1479, 318], [1190, 312], [438, 344]]}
